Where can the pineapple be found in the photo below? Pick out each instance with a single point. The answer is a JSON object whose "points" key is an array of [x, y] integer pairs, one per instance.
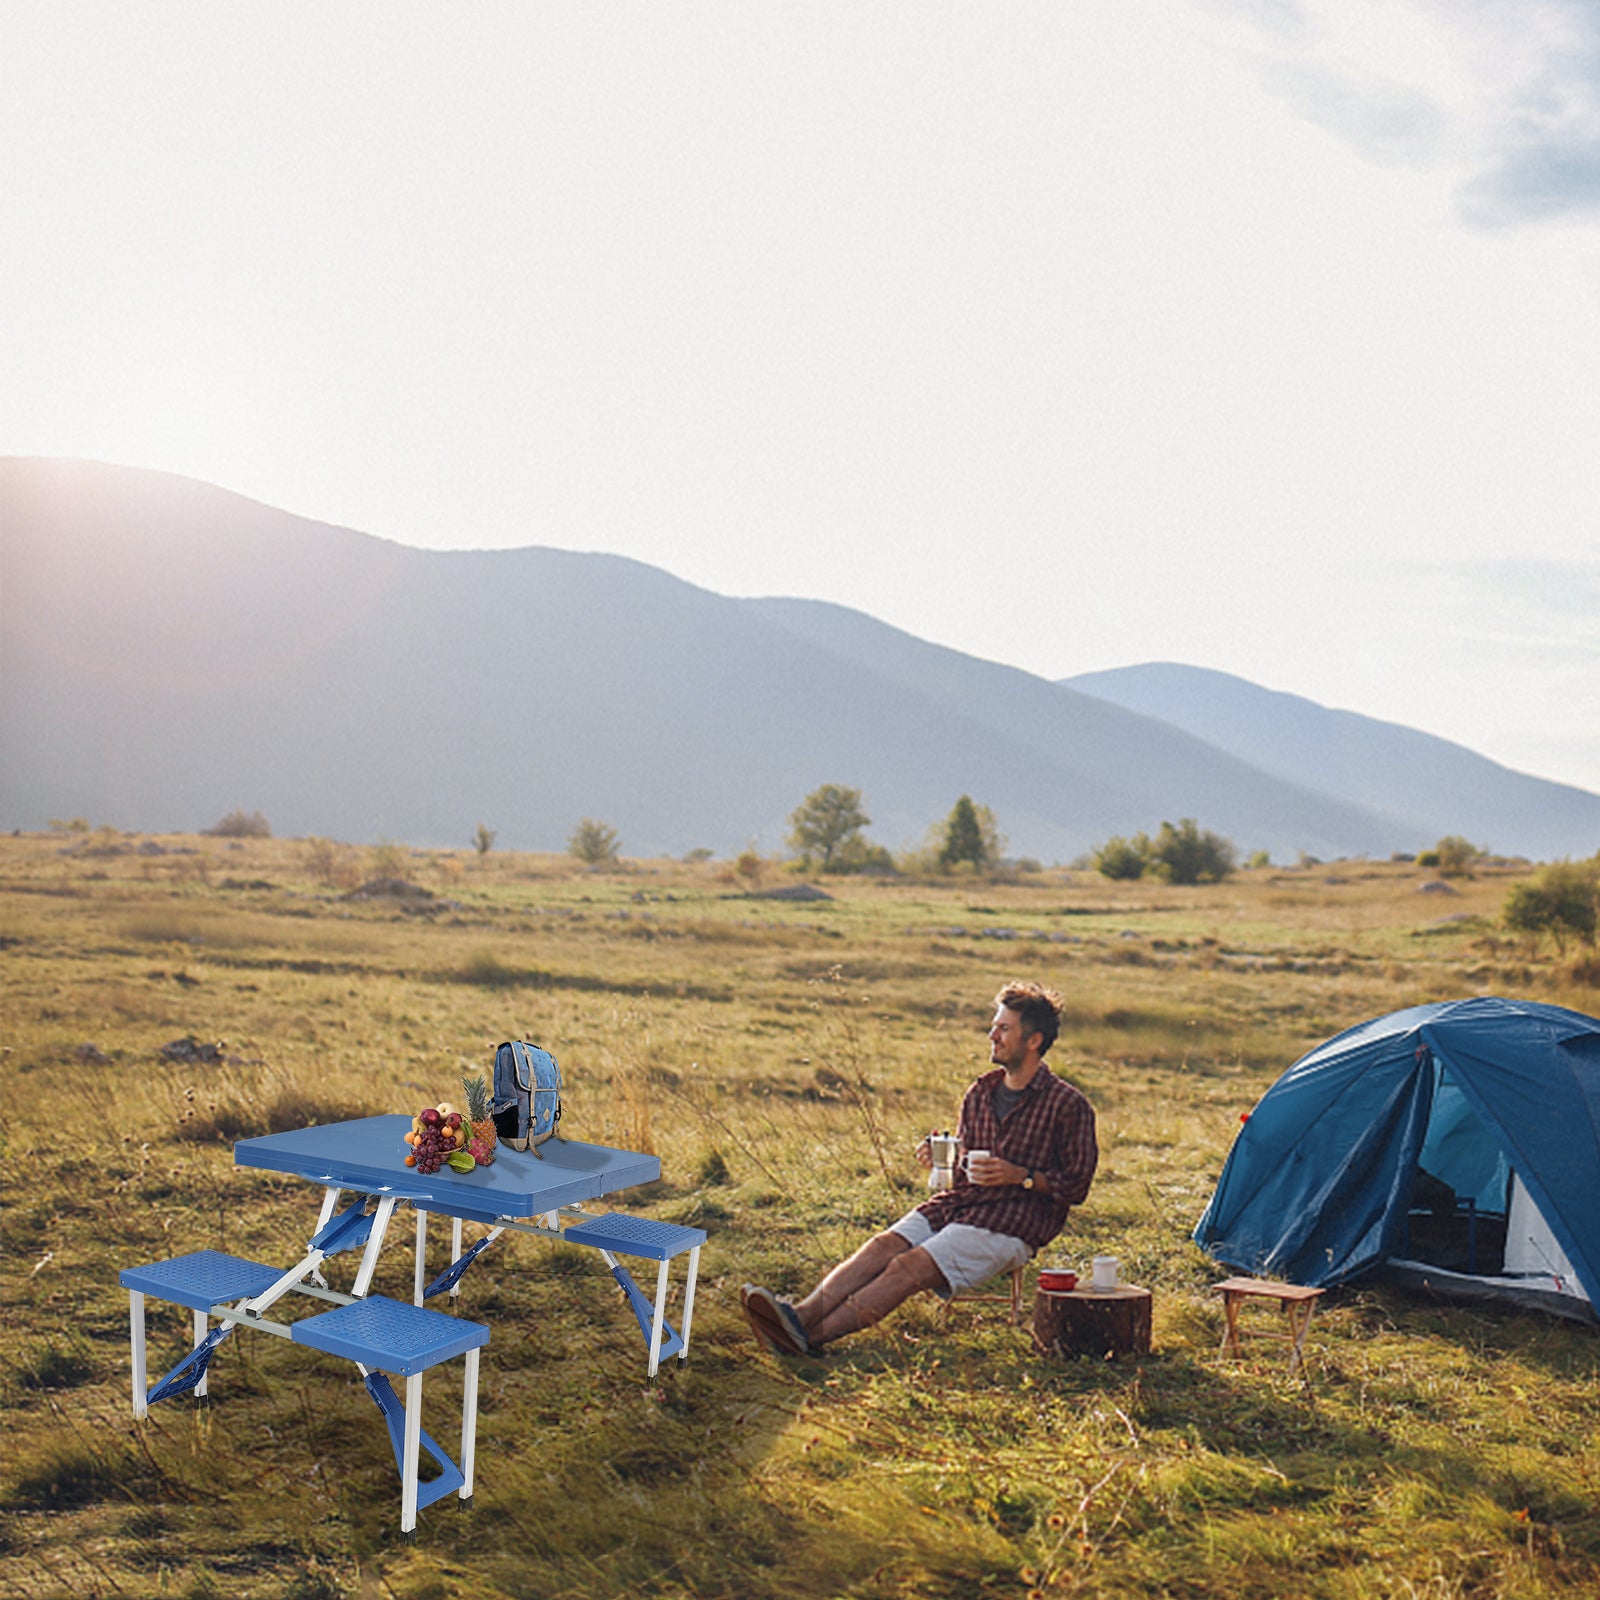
{"points": [[483, 1135]]}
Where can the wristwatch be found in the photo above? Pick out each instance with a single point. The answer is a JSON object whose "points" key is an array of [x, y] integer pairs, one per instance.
{"points": [[1027, 1179]]}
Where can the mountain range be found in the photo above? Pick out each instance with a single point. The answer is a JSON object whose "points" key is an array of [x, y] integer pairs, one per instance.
{"points": [[170, 652], [1383, 765]]}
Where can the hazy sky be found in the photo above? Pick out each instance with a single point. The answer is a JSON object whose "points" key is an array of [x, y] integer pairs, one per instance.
{"points": [[1256, 334]]}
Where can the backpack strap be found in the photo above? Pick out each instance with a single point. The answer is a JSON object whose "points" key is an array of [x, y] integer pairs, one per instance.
{"points": [[522, 1065]]}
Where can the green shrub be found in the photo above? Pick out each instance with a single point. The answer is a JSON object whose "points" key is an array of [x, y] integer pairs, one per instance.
{"points": [[860, 855], [236, 825], [1122, 858], [1562, 900], [1186, 854], [594, 843], [1455, 855]]}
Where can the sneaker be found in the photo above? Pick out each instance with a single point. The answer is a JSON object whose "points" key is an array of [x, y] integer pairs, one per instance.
{"points": [[774, 1323]]}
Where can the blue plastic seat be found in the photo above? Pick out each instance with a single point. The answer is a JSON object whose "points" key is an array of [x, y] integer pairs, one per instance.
{"points": [[201, 1280], [636, 1236], [385, 1333], [406, 1340], [656, 1241]]}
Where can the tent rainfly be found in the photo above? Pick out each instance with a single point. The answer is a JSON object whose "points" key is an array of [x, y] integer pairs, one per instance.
{"points": [[1456, 1146]]}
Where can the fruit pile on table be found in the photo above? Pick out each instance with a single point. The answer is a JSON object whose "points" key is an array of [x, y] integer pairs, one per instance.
{"points": [[443, 1136]]}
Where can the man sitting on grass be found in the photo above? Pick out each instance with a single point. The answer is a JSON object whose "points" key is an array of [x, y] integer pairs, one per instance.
{"points": [[1039, 1134]]}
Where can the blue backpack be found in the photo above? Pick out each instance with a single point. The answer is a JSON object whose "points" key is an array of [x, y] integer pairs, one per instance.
{"points": [[527, 1095]]}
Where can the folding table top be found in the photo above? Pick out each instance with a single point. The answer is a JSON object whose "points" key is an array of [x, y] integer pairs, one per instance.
{"points": [[369, 1153]]}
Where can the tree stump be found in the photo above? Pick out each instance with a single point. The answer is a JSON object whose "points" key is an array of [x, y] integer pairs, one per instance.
{"points": [[1082, 1322]]}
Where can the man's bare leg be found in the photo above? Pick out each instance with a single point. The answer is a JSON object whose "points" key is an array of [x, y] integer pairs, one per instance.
{"points": [[907, 1272], [854, 1273]]}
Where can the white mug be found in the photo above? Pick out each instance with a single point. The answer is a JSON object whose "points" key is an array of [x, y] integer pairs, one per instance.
{"points": [[1105, 1274], [975, 1155]]}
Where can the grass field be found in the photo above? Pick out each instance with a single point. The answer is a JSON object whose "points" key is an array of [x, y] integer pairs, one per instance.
{"points": [[782, 1058]]}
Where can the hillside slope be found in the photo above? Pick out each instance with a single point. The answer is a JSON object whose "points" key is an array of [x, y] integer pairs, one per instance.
{"points": [[1436, 786], [171, 651]]}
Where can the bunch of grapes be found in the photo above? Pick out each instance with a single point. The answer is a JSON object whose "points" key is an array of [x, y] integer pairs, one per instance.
{"points": [[427, 1148]]}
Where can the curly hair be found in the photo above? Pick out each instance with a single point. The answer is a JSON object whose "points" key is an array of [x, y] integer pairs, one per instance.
{"points": [[1038, 1007]]}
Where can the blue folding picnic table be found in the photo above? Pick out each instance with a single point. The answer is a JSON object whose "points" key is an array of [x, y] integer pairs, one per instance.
{"points": [[539, 1191]]}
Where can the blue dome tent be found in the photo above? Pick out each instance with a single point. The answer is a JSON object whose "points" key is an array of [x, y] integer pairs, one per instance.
{"points": [[1455, 1145]]}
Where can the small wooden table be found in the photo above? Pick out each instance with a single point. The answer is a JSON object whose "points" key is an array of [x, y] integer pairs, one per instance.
{"points": [[1092, 1322], [1297, 1302]]}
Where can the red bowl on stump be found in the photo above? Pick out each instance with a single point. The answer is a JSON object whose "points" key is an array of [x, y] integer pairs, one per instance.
{"points": [[1057, 1280]]}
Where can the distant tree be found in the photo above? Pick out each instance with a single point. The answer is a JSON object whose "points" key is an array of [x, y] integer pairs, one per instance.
{"points": [[1454, 856], [826, 826], [594, 843], [1186, 854], [1120, 858], [237, 825], [69, 824], [483, 839], [970, 835], [1561, 899], [861, 855]]}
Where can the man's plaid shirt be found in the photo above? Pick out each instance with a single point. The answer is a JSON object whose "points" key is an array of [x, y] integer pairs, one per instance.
{"points": [[1052, 1131]]}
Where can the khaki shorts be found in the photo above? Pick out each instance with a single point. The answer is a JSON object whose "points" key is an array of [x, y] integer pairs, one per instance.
{"points": [[967, 1256]]}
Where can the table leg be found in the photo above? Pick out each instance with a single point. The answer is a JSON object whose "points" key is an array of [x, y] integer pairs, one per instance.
{"points": [[369, 1259], [201, 1325], [141, 1381], [1299, 1327], [455, 1254], [469, 1423], [688, 1303], [330, 1199], [660, 1317], [1230, 1334], [413, 1448], [420, 1278]]}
